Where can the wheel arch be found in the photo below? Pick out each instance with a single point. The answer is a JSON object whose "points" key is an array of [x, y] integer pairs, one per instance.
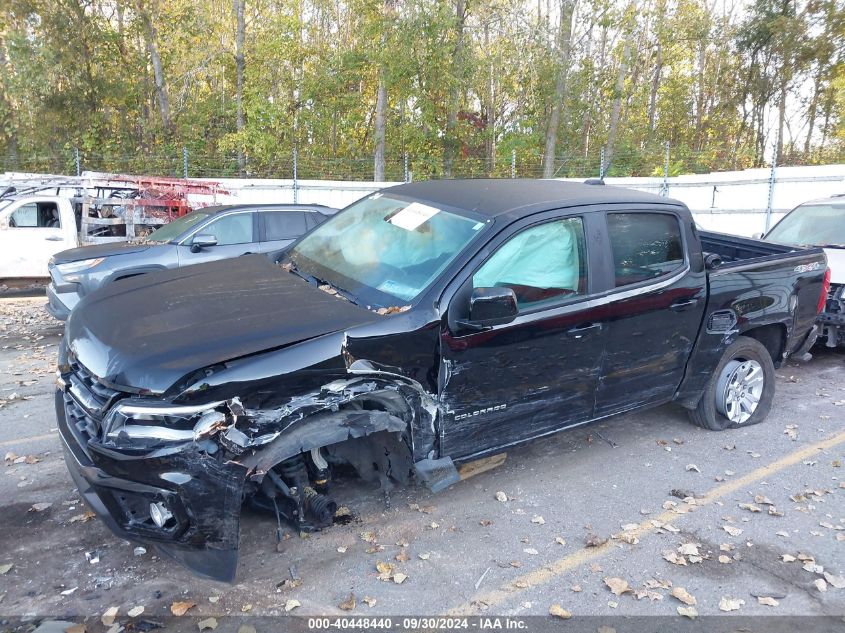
{"points": [[772, 336]]}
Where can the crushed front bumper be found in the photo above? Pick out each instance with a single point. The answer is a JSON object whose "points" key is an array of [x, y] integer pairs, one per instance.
{"points": [[202, 491]]}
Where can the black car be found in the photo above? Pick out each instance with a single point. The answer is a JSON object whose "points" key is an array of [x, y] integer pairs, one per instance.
{"points": [[201, 236], [425, 325]]}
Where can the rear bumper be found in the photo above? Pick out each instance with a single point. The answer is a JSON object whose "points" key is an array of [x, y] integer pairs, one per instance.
{"points": [[203, 494]]}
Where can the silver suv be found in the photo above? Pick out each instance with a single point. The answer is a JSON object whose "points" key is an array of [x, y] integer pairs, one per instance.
{"points": [[201, 236]]}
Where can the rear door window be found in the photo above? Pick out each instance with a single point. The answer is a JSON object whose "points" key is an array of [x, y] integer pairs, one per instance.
{"points": [[283, 225], [644, 245]]}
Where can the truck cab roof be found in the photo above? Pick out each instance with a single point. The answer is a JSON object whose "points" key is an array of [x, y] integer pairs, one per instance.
{"points": [[517, 198]]}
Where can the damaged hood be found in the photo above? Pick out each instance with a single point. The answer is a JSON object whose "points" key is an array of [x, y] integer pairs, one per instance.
{"points": [[149, 331]]}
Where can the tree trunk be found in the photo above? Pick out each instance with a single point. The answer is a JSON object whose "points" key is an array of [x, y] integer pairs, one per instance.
{"points": [[811, 114], [450, 143], [781, 119], [380, 125], [618, 92], [567, 9], [655, 86], [381, 106], [158, 69], [240, 64]]}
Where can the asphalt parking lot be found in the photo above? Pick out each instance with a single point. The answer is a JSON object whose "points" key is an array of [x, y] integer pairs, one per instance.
{"points": [[638, 515]]}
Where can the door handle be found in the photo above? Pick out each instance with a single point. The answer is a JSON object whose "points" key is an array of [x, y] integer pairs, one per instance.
{"points": [[585, 328], [680, 306], [54, 238]]}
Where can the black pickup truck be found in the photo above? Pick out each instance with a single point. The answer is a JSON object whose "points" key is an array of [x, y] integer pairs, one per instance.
{"points": [[425, 325]]}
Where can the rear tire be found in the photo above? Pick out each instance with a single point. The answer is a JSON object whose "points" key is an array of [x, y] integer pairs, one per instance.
{"points": [[741, 389]]}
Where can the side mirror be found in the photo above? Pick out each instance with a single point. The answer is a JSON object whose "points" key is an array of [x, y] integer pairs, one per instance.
{"points": [[757, 236], [202, 241], [489, 307]]}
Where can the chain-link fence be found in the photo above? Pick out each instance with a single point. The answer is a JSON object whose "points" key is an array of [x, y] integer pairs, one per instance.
{"points": [[659, 160]]}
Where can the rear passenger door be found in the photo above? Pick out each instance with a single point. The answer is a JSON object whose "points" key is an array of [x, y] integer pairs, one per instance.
{"points": [[652, 311], [278, 229]]}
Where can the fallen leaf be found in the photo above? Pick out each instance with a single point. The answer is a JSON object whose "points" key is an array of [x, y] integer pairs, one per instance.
{"points": [[673, 558], [369, 601], [724, 559], [369, 536], [688, 612], [689, 549], [424, 556], [40, 506], [593, 540], [750, 507], [820, 584], [837, 582], [787, 558], [733, 531], [763, 500], [292, 604], [501, 496], [342, 549], [134, 612], [693, 468], [768, 601], [559, 612], [348, 604], [538, 520], [531, 551], [730, 604], [399, 578], [576, 588], [109, 616], [4, 569], [181, 608], [402, 557], [560, 541], [617, 585], [773, 511], [208, 623], [683, 595]]}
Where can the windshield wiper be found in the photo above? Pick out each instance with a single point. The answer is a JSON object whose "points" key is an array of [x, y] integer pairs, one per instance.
{"points": [[322, 284], [330, 288]]}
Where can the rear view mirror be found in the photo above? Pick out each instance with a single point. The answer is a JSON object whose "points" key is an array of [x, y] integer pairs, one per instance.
{"points": [[202, 241], [492, 306]]}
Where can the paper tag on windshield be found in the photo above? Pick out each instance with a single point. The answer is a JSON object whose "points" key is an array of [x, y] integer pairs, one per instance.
{"points": [[413, 216]]}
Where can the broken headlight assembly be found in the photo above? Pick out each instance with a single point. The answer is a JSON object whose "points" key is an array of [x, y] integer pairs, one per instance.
{"points": [[145, 422]]}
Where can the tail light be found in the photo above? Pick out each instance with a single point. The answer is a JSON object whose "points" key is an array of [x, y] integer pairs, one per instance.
{"points": [[825, 291]]}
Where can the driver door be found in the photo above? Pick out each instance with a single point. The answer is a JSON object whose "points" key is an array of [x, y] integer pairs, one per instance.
{"points": [[30, 233], [537, 374], [235, 233]]}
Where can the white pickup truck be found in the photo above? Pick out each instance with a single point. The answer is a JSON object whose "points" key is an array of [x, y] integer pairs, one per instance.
{"points": [[32, 230]]}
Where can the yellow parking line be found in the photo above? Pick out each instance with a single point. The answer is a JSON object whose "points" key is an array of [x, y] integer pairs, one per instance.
{"points": [[549, 572], [32, 438]]}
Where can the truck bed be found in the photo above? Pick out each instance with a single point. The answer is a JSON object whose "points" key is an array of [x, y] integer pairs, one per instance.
{"points": [[734, 249]]}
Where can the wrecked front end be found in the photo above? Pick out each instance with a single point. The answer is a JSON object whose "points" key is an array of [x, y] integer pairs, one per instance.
{"points": [[176, 475]]}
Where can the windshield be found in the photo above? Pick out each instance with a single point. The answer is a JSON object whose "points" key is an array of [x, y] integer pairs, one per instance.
{"points": [[812, 225], [383, 248], [174, 229]]}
